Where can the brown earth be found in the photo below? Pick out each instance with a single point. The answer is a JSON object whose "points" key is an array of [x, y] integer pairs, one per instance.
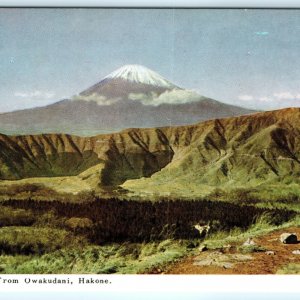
{"points": [[261, 263]]}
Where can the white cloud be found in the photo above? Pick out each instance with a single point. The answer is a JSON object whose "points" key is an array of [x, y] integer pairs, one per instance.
{"points": [[265, 99], [246, 97], [100, 100], [277, 99], [175, 96], [35, 94], [284, 95]]}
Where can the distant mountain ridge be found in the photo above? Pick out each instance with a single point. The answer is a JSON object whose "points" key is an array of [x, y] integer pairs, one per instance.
{"points": [[132, 96]]}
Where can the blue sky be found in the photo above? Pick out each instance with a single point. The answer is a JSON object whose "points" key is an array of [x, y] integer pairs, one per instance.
{"points": [[245, 57]]}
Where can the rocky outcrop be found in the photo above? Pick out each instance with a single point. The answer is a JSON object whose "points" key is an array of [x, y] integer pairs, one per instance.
{"points": [[288, 238]]}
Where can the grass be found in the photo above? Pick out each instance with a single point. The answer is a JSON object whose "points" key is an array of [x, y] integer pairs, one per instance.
{"points": [[122, 259], [251, 249], [35, 241], [266, 194], [291, 269], [47, 243], [50, 244], [262, 226], [19, 217]]}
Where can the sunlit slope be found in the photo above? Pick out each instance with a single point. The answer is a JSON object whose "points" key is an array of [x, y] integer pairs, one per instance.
{"points": [[235, 152], [247, 151]]}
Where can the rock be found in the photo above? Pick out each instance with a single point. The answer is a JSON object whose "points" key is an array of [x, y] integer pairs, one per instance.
{"points": [[227, 248], [288, 238], [270, 252], [202, 230], [272, 240], [240, 257], [218, 259], [228, 265], [297, 252], [202, 248], [249, 242]]}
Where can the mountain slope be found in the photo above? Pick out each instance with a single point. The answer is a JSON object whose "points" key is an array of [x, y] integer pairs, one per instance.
{"points": [[126, 155], [129, 79], [132, 96], [236, 152], [89, 118], [246, 151]]}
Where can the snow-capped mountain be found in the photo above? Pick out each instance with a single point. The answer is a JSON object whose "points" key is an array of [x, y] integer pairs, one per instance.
{"points": [[130, 82], [132, 96], [140, 74], [139, 84]]}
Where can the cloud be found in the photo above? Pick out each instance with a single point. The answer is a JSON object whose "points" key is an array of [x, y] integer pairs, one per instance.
{"points": [[35, 94], [100, 100], [278, 98], [265, 99], [286, 95], [175, 96], [246, 97]]}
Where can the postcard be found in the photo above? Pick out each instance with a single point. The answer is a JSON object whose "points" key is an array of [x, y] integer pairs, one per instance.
{"points": [[141, 141]]}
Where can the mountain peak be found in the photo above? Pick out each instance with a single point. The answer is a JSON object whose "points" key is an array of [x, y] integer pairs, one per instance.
{"points": [[140, 74]]}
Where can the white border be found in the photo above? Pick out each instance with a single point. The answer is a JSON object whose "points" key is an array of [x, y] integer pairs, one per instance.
{"points": [[154, 3], [162, 283], [254, 284]]}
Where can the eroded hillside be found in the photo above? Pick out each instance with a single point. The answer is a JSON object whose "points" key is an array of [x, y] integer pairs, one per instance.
{"points": [[235, 152], [248, 150]]}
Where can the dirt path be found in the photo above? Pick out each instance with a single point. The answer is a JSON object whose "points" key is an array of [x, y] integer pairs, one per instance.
{"points": [[233, 262]]}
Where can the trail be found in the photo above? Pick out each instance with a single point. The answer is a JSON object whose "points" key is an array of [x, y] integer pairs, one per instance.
{"points": [[233, 262]]}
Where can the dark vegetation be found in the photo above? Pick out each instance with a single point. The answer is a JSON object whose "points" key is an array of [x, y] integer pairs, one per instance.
{"points": [[112, 220]]}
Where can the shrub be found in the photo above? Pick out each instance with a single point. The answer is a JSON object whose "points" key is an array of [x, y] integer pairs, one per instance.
{"points": [[30, 240]]}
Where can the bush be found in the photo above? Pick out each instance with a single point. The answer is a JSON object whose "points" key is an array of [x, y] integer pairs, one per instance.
{"points": [[30, 240], [15, 217], [77, 224]]}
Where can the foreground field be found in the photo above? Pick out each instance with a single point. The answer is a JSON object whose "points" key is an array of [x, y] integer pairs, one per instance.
{"points": [[106, 236]]}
